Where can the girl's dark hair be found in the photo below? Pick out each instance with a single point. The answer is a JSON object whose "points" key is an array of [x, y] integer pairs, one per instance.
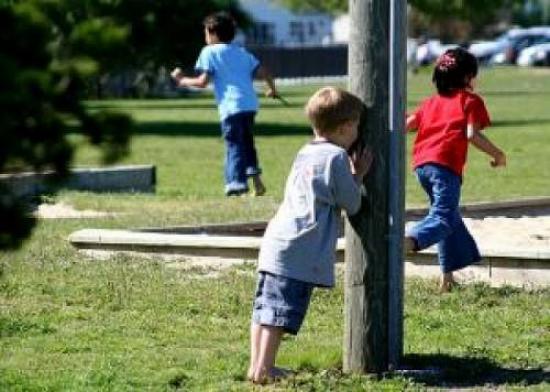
{"points": [[453, 69], [221, 24]]}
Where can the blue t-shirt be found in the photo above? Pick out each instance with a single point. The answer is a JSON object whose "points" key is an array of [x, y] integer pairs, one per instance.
{"points": [[300, 241], [231, 68]]}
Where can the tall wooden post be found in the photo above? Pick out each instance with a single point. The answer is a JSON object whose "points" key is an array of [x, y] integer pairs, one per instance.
{"points": [[373, 326]]}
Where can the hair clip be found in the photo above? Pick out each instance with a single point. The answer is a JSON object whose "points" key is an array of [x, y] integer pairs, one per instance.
{"points": [[445, 61]]}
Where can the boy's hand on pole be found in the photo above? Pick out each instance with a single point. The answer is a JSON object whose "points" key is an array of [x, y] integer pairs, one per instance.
{"points": [[361, 161]]}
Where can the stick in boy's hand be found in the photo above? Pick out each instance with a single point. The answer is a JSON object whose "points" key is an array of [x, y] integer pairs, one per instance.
{"points": [[280, 98]]}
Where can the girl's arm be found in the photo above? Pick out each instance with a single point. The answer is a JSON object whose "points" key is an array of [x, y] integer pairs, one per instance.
{"points": [[482, 143]]}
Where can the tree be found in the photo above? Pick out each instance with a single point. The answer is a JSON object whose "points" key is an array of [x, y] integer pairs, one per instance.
{"points": [[330, 6], [50, 50], [475, 13], [159, 32], [41, 88]]}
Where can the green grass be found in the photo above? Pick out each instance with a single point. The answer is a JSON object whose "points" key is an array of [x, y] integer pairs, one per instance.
{"points": [[68, 322]]}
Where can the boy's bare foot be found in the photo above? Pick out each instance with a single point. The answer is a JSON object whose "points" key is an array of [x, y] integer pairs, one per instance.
{"points": [[259, 187], [265, 377], [259, 376], [278, 373], [250, 373], [260, 191]]}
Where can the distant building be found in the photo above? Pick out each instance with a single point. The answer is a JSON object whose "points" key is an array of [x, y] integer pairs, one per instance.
{"points": [[340, 29], [276, 25]]}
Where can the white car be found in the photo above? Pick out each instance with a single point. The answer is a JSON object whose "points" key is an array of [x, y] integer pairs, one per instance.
{"points": [[485, 50], [533, 55], [431, 50], [506, 43]]}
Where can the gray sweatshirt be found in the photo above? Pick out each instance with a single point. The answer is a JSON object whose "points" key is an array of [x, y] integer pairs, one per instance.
{"points": [[300, 240]]}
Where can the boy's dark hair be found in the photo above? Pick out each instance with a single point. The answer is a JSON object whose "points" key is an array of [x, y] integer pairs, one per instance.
{"points": [[453, 69], [221, 24], [330, 107]]}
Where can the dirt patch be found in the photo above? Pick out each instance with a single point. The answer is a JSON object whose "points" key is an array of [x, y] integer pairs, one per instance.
{"points": [[66, 211]]}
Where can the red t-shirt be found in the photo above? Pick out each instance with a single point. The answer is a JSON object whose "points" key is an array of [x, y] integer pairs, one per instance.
{"points": [[442, 123]]}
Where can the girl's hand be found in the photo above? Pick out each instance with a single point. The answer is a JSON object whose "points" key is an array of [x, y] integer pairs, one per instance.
{"points": [[499, 160], [361, 162]]}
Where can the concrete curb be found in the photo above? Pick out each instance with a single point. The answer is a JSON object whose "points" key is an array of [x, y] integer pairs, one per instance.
{"points": [[131, 178]]}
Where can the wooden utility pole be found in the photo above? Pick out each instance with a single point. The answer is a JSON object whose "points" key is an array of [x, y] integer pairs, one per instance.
{"points": [[373, 326]]}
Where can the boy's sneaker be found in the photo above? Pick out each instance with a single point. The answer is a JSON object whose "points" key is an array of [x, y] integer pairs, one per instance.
{"points": [[235, 192]]}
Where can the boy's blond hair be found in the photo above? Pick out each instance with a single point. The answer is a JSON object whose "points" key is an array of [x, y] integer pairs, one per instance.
{"points": [[331, 107]]}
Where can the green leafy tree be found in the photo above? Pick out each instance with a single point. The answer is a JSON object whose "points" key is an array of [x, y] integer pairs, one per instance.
{"points": [[51, 49], [42, 84], [330, 6], [158, 32], [475, 13]]}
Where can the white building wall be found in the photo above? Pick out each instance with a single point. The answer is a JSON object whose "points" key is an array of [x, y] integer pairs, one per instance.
{"points": [[289, 28], [340, 29]]}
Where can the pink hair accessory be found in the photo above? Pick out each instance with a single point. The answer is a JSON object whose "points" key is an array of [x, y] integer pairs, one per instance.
{"points": [[445, 61]]}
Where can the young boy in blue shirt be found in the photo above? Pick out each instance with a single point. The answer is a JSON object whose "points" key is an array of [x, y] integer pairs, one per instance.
{"points": [[232, 69], [298, 247]]}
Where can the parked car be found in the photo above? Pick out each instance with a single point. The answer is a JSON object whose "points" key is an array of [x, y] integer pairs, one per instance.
{"points": [[510, 54], [427, 53], [486, 50], [535, 55]]}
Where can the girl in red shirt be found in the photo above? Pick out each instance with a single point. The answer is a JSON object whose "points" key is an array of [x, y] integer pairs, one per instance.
{"points": [[446, 123]]}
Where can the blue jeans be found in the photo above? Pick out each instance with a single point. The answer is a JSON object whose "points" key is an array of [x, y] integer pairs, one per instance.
{"points": [[281, 302], [241, 159], [444, 225]]}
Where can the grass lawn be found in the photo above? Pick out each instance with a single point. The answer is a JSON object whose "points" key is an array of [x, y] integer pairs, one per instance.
{"points": [[68, 322]]}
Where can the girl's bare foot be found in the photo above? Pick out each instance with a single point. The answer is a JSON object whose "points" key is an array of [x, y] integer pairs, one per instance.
{"points": [[409, 245], [447, 282]]}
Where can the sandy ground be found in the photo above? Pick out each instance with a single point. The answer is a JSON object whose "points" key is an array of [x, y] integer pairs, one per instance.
{"points": [[497, 232], [522, 232], [511, 233]]}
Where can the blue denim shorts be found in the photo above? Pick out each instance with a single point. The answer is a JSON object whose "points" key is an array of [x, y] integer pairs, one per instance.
{"points": [[281, 302]]}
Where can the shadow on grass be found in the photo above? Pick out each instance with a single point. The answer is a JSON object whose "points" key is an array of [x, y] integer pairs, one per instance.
{"points": [[186, 106], [197, 101], [212, 129], [440, 370], [513, 93], [519, 123]]}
